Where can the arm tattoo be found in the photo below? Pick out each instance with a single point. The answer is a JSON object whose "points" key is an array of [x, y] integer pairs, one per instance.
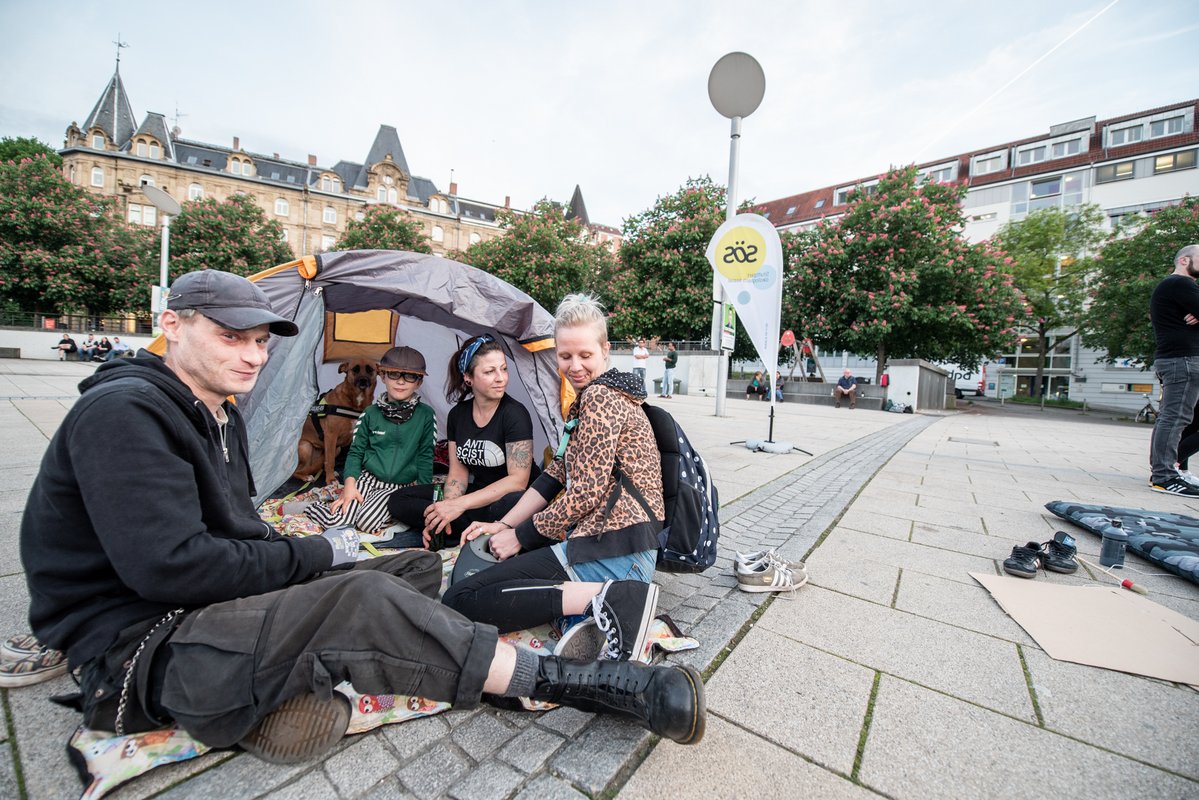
{"points": [[520, 454], [454, 488]]}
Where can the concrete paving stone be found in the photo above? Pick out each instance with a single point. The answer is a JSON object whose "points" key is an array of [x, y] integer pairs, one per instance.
{"points": [[962, 663], [719, 626], [1146, 719], [565, 720], [481, 736], [415, 735], [685, 616], [431, 774], [955, 503], [702, 602], [311, 786], [966, 519], [734, 763], [799, 698], [592, 760], [856, 546], [965, 542], [547, 787], [360, 765], [241, 776], [954, 604], [899, 497], [389, 789], [151, 783], [516, 719], [859, 519], [531, 748], [8, 774], [491, 780], [924, 744], [837, 565]]}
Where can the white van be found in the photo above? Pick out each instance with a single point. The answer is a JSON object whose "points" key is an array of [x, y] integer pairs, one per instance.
{"points": [[966, 382]]}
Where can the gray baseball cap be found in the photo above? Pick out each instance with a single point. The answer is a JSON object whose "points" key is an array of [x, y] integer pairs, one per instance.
{"points": [[229, 300]]}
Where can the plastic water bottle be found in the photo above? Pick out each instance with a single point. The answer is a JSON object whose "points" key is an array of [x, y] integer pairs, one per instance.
{"points": [[1111, 552]]}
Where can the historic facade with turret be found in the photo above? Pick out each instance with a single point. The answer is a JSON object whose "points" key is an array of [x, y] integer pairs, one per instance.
{"points": [[111, 154]]}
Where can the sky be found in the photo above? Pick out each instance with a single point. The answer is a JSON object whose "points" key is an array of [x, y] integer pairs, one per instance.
{"points": [[528, 99]]}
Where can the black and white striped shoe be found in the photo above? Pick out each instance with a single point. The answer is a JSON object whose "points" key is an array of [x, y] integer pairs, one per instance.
{"points": [[1176, 485]]}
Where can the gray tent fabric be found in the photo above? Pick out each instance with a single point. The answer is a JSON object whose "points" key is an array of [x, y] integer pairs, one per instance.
{"points": [[440, 303]]}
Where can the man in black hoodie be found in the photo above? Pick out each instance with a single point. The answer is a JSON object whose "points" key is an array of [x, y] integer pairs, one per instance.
{"points": [[181, 604]]}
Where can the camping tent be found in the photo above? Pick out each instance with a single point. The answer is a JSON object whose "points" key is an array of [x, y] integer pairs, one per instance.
{"points": [[434, 305]]}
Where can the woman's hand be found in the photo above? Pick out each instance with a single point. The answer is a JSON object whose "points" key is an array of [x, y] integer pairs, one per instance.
{"points": [[476, 529], [439, 515], [504, 545], [349, 494]]}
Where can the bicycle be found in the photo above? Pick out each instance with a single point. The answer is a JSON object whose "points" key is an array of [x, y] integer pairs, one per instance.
{"points": [[1147, 413]]}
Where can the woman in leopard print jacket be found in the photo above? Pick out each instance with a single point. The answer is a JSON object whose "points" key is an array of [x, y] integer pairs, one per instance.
{"points": [[580, 541]]}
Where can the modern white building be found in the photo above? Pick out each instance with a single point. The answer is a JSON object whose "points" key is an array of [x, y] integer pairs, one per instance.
{"points": [[1133, 163]]}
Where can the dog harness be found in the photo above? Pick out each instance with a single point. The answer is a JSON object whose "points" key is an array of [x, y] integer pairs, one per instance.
{"points": [[320, 409]]}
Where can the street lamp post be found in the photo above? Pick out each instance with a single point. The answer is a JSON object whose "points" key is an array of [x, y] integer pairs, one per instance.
{"points": [[168, 207], [736, 86]]}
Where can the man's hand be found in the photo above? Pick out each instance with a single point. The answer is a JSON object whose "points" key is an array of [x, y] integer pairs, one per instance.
{"points": [[439, 515], [1189, 319], [344, 541]]}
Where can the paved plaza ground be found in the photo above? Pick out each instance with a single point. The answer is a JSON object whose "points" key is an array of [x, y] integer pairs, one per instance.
{"points": [[892, 673]]}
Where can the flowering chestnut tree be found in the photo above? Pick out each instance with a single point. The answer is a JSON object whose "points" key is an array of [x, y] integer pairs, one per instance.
{"points": [[63, 249], [894, 278], [233, 236], [543, 254], [1132, 263], [384, 228]]}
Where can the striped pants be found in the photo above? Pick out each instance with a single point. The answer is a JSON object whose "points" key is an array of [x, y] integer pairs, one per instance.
{"points": [[367, 515]]}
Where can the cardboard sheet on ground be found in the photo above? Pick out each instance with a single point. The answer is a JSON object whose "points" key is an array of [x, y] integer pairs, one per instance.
{"points": [[1102, 626]]}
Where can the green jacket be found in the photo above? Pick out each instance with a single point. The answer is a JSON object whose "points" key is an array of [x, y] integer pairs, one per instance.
{"points": [[391, 451]]}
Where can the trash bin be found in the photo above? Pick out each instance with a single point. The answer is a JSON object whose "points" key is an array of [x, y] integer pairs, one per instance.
{"points": [[658, 387]]}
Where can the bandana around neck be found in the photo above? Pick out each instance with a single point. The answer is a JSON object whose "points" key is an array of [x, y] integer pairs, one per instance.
{"points": [[399, 412]]}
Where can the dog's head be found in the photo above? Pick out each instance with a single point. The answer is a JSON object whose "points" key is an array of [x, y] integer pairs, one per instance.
{"points": [[360, 373]]}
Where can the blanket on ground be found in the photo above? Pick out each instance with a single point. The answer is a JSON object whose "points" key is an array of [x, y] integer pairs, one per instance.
{"points": [[1168, 540]]}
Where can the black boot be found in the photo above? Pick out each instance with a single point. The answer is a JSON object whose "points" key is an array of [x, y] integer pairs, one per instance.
{"points": [[1058, 553], [666, 700]]}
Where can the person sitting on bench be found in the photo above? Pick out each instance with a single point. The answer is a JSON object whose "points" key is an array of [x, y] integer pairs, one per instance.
{"points": [[847, 386], [757, 386]]}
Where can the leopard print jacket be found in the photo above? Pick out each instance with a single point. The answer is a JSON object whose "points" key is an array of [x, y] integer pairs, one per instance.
{"points": [[611, 426]]}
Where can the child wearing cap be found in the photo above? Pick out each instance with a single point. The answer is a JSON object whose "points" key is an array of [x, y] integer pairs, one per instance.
{"points": [[392, 447]]}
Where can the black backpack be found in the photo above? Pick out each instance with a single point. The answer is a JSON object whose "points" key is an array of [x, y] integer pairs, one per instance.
{"points": [[688, 542]]}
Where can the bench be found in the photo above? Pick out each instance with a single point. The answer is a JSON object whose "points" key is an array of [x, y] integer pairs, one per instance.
{"points": [[10, 352], [817, 394]]}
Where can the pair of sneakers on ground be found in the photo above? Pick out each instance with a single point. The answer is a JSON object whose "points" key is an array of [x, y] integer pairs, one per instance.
{"points": [[1056, 555], [1184, 484], [766, 571], [24, 662]]}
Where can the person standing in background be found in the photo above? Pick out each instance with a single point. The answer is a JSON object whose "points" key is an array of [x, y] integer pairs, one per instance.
{"points": [[672, 359], [1176, 363], [640, 357]]}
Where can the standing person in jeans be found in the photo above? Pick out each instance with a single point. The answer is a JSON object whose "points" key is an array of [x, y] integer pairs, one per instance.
{"points": [[584, 537], [186, 606], [1176, 363], [672, 359], [640, 357]]}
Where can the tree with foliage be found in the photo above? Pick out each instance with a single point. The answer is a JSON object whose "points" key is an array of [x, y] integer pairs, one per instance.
{"points": [[233, 236], [1051, 251], [664, 288], [27, 147], [384, 228], [63, 249], [1132, 263], [893, 277], [542, 253]]}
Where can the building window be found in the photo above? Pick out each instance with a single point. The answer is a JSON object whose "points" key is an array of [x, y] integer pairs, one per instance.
{"points": [[97, 141], [1031, 155], [155, 150], [1055, 192], [942, 175], [330, 215], [438, 235], [382, 195], [1168, 163], [985, 166], [1119, 136], [790, 210], [135, 214], [282, 207], [327, 242], [1068, 148], [841, 197], [392, 196], [336, 185], [141, 149], [820, 203], [97, 176], [247, 168], [475, 238], [149, 215], [1114, 172], [146, 180], [195, 192], [1165, 127]]}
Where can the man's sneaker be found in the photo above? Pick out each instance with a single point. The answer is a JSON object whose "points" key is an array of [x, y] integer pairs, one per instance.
{"points": [[1176, 485], [1023, 561], [19, 646], [769, 574], [583, 641], [667, 700], [1058, 553], [751, 560], [303, 728], [33, 668], [622, 612], [1188, 477]]}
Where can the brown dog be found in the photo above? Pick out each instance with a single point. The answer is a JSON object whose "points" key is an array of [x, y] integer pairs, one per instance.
{"points": [[320, 445]]}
